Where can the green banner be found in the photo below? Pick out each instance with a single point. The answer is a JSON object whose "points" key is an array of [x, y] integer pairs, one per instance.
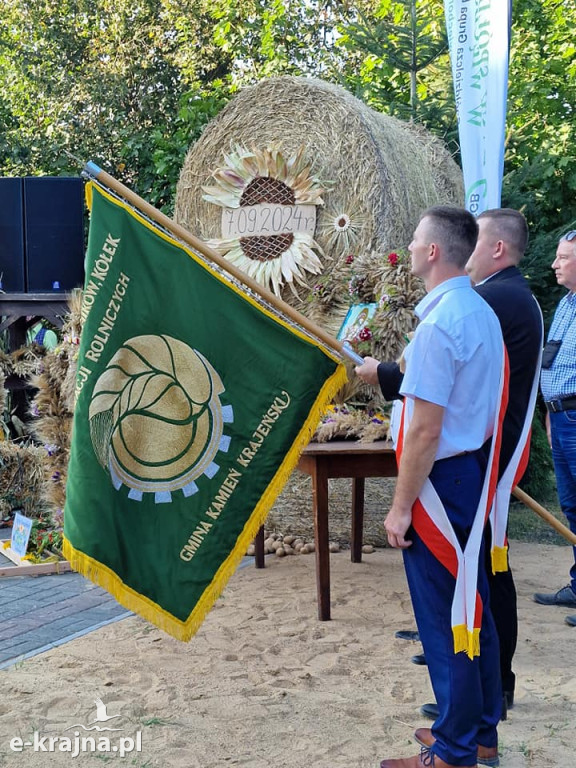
{"points": [[193, 405]]}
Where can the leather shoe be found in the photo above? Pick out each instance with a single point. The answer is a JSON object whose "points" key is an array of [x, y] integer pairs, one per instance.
{"points": [[425, 759], [564, 596], [407, 634], [419, 659], [430, 710], [486, 755], [571, 621]]}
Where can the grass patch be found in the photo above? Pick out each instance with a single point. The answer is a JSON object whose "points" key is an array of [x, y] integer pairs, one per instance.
{"points": [[525, 525]]}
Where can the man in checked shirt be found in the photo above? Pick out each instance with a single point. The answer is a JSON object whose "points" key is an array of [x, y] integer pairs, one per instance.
{"points": [[558, 385]]}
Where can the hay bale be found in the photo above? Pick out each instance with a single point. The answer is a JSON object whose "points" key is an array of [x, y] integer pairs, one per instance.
{"points": [[294, 140], [53, 406], [377, 173], [22, 474]]}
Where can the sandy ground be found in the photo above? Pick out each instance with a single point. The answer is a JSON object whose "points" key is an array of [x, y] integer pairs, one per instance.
{"points": [[264, 683]]}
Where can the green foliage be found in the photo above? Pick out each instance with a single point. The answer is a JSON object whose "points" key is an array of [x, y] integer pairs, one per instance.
{"points": [[405, 67], [95, 80], [171, 142], [400, 42], [130, 84], [540, 164], [43, 536], [525, 525], [544, 189], [538, 481], [277, 37], [404, 39]]}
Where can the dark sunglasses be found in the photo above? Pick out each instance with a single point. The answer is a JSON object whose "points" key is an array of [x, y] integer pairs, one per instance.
{"points": [[569, 236]]}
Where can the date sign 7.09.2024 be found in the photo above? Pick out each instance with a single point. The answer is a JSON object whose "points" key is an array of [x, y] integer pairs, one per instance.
{"points": [[268, 219]]}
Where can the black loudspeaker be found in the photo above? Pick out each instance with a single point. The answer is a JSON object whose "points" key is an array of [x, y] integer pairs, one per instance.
{"points": [[53, 233], [11, 236]]}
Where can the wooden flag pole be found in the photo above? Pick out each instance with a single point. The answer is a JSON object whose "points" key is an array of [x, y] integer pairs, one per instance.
{"points": [[182, 234], [544, 514]]}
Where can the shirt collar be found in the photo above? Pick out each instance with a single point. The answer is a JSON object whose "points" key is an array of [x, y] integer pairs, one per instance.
{"points": [[489, 277], [427, 304]]}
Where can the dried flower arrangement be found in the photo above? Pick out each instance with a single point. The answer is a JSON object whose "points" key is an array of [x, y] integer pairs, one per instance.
{"points": [[359, 412], [34, 466]]}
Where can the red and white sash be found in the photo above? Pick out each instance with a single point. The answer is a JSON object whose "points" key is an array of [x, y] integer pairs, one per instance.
{"points": [[512, 474], [432, 524]]}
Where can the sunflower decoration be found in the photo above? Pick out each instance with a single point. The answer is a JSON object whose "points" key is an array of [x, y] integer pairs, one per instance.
{"points": [[264, 181], [341, 230]]}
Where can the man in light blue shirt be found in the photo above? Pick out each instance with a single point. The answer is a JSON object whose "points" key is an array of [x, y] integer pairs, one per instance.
{"points": [[451, 392], [558, 385]]}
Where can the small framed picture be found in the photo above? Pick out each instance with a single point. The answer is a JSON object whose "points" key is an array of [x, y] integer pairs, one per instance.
{"points": [[358, 317], [21, 530]]}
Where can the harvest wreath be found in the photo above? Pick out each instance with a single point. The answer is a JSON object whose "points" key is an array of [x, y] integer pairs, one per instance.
{"points": [[386, 283]]}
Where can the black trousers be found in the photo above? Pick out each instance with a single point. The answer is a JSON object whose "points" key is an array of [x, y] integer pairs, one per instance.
{"points": [[504, 610]]}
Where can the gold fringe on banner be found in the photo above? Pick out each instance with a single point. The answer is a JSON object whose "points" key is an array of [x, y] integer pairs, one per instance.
{"points": [[151, 611], [102, 575]]}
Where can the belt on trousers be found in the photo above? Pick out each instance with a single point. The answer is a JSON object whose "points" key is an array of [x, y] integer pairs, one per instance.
{"points": [[563, 404]]}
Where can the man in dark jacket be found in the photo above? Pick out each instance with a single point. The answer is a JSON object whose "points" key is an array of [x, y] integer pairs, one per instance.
{"points": [[502, 240], [493, 268]]}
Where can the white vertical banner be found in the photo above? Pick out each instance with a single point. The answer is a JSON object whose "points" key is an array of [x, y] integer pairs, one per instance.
{"points": [[479, 39]]}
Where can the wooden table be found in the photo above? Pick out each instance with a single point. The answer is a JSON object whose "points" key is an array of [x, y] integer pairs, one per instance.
{"points": [[342, 458]]}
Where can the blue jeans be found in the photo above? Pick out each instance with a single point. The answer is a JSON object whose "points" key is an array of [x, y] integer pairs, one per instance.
{"points": [[563, 427]]}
